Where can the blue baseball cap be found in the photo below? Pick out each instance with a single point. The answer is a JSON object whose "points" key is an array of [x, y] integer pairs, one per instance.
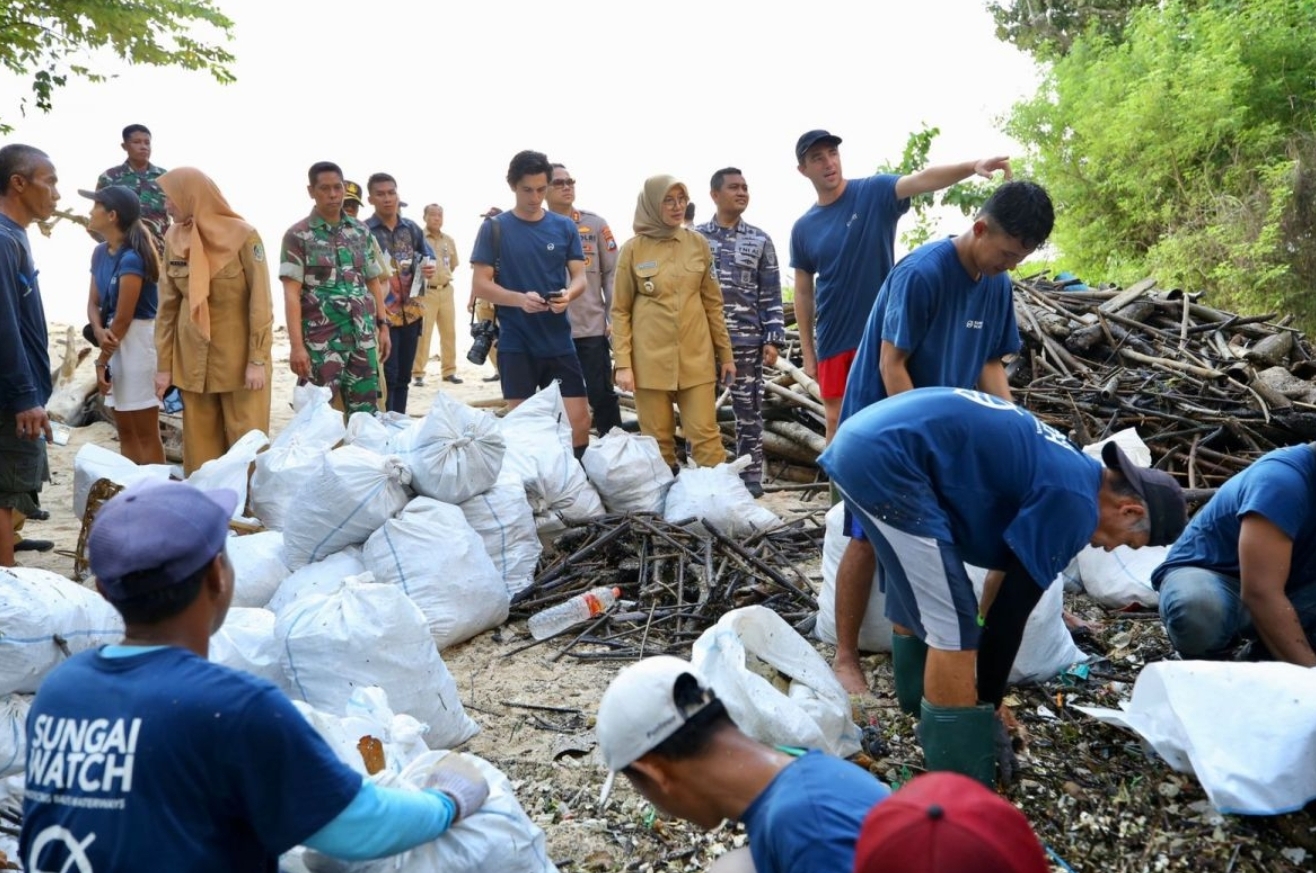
{"points": [[161, 533]]}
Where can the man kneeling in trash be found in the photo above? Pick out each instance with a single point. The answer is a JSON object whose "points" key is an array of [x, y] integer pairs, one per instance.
{"points": [[943, 476], [146, 756], [674, 740], [1244, 570]]}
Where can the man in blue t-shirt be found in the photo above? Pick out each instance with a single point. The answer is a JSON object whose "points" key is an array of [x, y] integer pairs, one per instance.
{"points": [[1245, 568], [530, 264], [846, 243], [146, 756], [27, 193], [944, 318], [943, 476], [673, 739]]}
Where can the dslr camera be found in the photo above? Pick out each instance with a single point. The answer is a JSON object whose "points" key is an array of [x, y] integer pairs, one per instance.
{"points": [[483, 334]]}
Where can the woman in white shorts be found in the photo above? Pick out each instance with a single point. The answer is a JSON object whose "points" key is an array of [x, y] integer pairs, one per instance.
{"points": [[121, 307]]}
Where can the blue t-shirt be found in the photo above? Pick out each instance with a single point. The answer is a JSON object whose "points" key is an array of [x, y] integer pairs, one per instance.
{"points": [[106, 270], [849, 246], [950, 324], [25, 380], [969, 468], [1280, 486], [165, 761], [532, 256], [809, 816]]}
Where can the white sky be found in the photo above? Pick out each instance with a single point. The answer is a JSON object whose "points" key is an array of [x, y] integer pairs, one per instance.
{"points": [[443, 100]]}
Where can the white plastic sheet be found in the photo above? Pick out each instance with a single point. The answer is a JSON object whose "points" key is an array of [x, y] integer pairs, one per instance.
{"points": [[815, 712], [368, 714], [719, 496], [1255, 754], [432, 554]]}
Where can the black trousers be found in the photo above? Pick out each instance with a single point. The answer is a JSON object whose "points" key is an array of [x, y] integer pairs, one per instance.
{"points": [[1004, 631], [397, 369], [595, 354]]}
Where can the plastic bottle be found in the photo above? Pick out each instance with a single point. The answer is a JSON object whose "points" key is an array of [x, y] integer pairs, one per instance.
{"points": [[555, 619]]}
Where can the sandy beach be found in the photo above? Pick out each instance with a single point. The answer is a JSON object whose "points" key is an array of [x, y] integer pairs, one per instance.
{"points": [[549, 752]]}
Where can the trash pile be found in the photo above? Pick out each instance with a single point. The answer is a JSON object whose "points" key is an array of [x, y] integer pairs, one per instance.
{"points": [[1209, 391]]}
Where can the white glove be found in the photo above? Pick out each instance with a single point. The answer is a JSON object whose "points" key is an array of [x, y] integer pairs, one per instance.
{"points": [[462, 781]]}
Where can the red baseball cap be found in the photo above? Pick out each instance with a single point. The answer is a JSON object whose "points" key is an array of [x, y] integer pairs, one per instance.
{"points": [[947, 823]]}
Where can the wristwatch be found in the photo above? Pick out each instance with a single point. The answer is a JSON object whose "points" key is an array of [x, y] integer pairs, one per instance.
{"points": [[255, 363], [381, 322]]}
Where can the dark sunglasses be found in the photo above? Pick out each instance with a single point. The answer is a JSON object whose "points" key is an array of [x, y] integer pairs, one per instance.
{"points": [[563, 183]]}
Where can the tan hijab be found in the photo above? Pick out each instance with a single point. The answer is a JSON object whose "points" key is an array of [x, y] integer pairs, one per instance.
{"points": [[649, 207], [210, 239]]}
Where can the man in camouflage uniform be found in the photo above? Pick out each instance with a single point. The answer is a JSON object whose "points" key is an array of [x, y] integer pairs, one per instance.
{"points": [[139, 174], [412, 263], [333, 299], [746, 264], [589, 311]]}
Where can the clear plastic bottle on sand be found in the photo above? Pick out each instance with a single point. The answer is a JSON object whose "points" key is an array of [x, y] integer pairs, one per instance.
{"points": [[582, 607]]}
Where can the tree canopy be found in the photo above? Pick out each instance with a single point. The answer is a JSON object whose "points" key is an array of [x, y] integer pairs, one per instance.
{"points": [[47, 41], [1184, 148], [965, 196]]}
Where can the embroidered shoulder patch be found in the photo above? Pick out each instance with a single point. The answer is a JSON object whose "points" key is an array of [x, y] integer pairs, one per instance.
{"points": [[258, 252]]}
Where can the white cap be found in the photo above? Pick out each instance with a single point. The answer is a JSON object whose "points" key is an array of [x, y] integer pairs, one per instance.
{"points": [[639, 711]]}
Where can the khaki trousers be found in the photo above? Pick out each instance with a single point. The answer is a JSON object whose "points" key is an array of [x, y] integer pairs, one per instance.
{"points": [[439, 313], [698, 421], [212, 423]]}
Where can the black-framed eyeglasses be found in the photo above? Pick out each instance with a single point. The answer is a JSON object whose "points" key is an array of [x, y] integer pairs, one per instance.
{"points": [[563, 183]]}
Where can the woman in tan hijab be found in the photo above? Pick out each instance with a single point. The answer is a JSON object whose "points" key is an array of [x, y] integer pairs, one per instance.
{"points": [[669, 339], [214, 326]]}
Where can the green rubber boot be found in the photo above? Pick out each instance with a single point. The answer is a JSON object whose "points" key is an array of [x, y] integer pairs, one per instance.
{"points": [[960, 739], [909, 658]]}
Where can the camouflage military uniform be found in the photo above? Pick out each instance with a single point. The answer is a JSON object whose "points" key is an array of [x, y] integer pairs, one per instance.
{"points": [[333, 263], [148, 192], [746, 265]]}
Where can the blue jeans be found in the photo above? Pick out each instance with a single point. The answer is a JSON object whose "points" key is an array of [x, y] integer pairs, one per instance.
{"points": [[1204, 615]]}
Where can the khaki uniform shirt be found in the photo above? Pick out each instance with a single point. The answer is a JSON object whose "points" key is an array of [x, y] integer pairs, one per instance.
{"points": [[667, 322], [589, 312], [445, 256], [241, 322]]}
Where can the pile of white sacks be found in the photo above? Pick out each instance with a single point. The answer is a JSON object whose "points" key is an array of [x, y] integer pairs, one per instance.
{"points": [[386, 541]]}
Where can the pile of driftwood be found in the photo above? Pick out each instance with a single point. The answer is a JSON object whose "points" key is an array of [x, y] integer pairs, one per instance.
{"points": [[675, 579], [1209, 391]]}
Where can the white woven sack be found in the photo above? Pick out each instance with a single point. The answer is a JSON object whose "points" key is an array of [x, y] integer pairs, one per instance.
{"points": [[294, 456], [321, 577], [506, 524], [628, 471], [258, 567], [455, 453], [875, 631], [246, 642], [719, 496], [354, 492], [37, 607], [539, 450], [432, 554], [366, 634]]}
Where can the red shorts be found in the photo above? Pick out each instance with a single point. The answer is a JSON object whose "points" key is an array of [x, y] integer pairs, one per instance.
{"points": [[833, 373]]}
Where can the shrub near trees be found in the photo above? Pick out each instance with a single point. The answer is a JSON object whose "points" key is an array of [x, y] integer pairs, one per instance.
{"points": [[1179, 142]]}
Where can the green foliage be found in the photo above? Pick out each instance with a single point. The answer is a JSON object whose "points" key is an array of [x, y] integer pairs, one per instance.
{"points": [[46, 41], [1186, 151], [965, 196], [1047, 29]]}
